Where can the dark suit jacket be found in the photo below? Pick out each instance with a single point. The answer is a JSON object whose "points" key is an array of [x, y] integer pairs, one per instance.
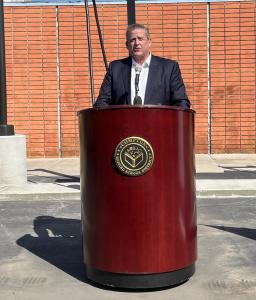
{"points": [[164, 86]]}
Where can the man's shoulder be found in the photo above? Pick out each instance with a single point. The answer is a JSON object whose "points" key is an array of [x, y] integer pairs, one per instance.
{"points": [[163, 60], [121, 62]]}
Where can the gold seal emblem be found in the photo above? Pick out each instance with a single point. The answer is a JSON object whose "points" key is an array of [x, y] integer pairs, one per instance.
{"points": [[134, 156]]}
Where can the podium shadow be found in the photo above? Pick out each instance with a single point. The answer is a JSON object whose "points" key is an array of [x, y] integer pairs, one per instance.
{"points": [[59, 242]]}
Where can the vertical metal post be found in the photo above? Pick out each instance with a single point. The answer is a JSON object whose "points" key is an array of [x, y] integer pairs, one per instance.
{"points": [[3, 109], [58, 80], [131, 12], [88, 28], [209, 77], [4, 128]]}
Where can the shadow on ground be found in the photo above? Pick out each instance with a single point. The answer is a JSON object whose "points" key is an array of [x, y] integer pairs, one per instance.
{"points": [[249, 233], [235, 172], [59, 242], [48, 176]]}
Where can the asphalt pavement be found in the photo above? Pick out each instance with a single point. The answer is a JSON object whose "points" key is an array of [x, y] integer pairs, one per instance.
{"points": [[41, 258]]}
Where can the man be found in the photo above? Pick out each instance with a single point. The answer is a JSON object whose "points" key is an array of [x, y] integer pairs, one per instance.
{"points": [[142, 78]]}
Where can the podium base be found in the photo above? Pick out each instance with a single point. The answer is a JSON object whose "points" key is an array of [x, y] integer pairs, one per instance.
{"points": [[140, 281]]}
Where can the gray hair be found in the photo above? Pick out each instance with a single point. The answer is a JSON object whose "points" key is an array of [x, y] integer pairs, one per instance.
{"points": [[130, 28]]}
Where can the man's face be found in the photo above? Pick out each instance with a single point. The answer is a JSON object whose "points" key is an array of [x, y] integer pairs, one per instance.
{"points": [[138, 45]]}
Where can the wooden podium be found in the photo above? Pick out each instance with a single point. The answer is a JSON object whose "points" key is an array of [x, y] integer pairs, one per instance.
{"points": [[138, 195]]}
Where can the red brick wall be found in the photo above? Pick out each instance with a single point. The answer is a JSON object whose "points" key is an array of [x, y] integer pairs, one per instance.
{"points": [[233, 77], [179, 31]]}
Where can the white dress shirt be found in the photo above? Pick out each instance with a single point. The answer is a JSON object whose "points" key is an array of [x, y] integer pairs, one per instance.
{"points": [[143, 78]]}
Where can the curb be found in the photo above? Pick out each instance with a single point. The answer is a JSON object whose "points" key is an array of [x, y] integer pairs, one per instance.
{"points": [[76, 195], [226, 194], [40, 197], [204, 189]]}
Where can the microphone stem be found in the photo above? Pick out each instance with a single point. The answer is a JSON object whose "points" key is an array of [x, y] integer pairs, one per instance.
{"points": [[137, 98], [137, 84]]}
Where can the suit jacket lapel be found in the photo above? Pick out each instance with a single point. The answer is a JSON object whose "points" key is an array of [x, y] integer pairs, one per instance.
{"points": [[127, 78], [151, 77]]}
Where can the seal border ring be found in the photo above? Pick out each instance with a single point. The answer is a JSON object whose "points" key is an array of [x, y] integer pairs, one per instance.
{"points": [[147, 146]]}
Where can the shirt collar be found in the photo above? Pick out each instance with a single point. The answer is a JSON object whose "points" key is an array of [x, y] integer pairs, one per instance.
{"points": [[145, 64]]}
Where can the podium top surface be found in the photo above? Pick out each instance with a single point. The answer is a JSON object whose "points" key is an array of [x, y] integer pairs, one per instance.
{"points": [[129, 107]]}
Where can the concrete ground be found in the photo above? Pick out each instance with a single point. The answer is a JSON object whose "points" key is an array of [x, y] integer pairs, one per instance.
{"points": [[40, 237], [218, 175]]}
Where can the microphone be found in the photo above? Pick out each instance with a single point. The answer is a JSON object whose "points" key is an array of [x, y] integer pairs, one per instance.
{"points": [[137, 99]]}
